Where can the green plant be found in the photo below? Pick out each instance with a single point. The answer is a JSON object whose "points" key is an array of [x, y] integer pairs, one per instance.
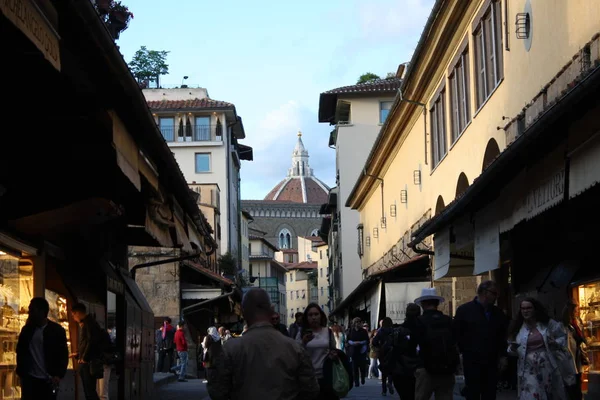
{"points": [[117, 6], [149, 65], [367, 77], [228, 264]]}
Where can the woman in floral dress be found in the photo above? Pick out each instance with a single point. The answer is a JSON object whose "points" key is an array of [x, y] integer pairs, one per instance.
{"points": [[544, 363]]}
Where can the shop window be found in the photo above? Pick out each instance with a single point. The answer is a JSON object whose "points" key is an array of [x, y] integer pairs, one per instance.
{"points": [[58, 313]]}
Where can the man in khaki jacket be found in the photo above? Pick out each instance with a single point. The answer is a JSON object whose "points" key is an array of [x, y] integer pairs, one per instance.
{"points": [[263, 364]]}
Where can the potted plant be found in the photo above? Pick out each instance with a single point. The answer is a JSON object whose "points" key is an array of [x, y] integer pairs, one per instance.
{"points": [[103, 6], [118, 18]]}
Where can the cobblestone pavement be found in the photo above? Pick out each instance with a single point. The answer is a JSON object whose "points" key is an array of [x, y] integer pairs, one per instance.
{"points": [[195, 389]]}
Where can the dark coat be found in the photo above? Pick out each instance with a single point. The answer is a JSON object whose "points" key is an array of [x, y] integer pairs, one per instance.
{"points": [[92, 340], [56, 352], [480, 339]]}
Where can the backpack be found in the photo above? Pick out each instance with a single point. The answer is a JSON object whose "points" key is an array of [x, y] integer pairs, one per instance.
{"points": [[394, 353], [438, 352]]}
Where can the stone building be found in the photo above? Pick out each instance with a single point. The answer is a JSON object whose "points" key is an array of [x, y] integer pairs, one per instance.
{"points": [[291, 208]]}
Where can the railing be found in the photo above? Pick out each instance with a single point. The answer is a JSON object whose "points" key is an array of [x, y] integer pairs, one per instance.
{"points": [[191, 133]]}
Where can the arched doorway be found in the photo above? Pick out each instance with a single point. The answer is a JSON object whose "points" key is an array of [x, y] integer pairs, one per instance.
{"points": [[439, 205], [461, 185], [491, 152]]}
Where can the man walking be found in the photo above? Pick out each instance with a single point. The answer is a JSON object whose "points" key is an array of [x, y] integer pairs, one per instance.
{"points": [[296, 326], [358, 345], [437, 349], [263, 363], [276, 321], [42, 354], [90, 350], [481, 330], [182, 352]]}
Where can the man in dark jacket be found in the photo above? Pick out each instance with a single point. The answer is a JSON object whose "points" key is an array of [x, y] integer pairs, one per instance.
{"points": [[358, 344], [276, 321], [481, 329], [92, 345], [42, 354]]}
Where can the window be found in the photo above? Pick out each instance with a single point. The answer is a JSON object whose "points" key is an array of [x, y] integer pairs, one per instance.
{"points": [[290, 258], [202, 162], [167, 128], [202, 129], [321, 272], [250, 247], [438, 128], [285, 239], [297, 294], [384, 110], [489, 62], [460, 114], [250, 270], [291, 277], [322, 291], [315, 232]]}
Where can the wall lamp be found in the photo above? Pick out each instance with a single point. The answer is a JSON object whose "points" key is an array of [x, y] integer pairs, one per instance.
{"points": [[417, 176], [392, 210], [376, 233], [368, 241], [404, 196], [383, 223]]}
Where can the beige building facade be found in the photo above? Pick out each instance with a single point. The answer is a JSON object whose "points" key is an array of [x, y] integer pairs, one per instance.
{"points": [[476, 87]]}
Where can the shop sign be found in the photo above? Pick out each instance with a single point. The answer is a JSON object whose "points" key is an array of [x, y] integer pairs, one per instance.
{"points": [[441, 247], [549, 193], [26, 16], [487, 241]]}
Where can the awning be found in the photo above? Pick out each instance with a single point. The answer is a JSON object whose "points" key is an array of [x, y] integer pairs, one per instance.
{"points": [[362, 287], [245, 152], [197, 292], [398, 295], [514, 158], [127, 151], [584, 171], [207, 272], [182, 237], [401, 265], [160, 234], [201, 306]]}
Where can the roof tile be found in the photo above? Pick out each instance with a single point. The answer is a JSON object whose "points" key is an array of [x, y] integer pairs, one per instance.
{"points": [[379, 85], [187, 104]]}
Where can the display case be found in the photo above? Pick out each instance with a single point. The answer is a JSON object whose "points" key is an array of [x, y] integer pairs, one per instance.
{"points": [[58, 313], [16, 291], [587, 296]]}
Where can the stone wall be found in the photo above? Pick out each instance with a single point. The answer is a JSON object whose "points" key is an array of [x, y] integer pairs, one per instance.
{"points": [[457, 291]]}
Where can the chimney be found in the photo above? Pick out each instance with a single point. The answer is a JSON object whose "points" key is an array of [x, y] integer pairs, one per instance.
{"points": [[402, 70]]}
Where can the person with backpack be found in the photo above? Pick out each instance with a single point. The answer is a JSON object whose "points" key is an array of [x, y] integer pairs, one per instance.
{"points": [[398, 355], [436, 346], [384, 342]]}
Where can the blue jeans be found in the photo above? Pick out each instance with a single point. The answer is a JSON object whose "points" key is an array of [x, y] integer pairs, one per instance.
{"points": [[182, 366]]}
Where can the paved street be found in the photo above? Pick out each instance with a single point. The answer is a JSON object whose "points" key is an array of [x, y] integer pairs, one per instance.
{"points": [[194, 389]]}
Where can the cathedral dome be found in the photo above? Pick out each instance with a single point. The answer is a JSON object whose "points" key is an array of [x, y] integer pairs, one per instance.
{"points": [[300, 185]]}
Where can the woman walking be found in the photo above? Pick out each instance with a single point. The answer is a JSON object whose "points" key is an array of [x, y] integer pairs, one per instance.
{"points": [[373, 366], [545, 365], [212, 351], [339, 336], [319, 344]]}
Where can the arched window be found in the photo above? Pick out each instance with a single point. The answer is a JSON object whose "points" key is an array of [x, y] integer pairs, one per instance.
{"points": [[285, 239], [315, 232]]}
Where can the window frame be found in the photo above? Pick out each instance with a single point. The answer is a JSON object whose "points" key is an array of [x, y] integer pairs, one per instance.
{"points": [[196, 163], [460, 67], [435, 113], [172, 126], [488, 22]]}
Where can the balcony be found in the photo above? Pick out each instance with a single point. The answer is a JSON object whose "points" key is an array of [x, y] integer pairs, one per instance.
{"points": [[191, 133]]}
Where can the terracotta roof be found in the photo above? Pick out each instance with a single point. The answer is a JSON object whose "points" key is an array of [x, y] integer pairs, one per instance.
{"points": [[164, 105], [379, 85], [291, 190], [289, 251], [303, 265], [312, 238]]}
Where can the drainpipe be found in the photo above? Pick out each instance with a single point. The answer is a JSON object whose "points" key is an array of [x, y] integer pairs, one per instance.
{"points": [[161, 262]]}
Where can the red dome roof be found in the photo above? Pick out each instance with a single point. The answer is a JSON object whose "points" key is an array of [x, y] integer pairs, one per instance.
{"points": [[307, 190]]}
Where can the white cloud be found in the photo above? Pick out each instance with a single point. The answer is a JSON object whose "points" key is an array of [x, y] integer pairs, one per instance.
{"points": [[273, 139], [394, 19]]}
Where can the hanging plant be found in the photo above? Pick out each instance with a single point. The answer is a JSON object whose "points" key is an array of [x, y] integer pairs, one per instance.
{"points": [[118, 18], [103, 6]]}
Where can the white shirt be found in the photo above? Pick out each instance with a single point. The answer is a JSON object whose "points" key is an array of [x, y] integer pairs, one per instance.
{"points": [[317, 349], [36, 349]]}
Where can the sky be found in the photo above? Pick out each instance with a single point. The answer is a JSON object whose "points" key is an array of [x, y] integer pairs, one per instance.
{"points": [[272, 59]]}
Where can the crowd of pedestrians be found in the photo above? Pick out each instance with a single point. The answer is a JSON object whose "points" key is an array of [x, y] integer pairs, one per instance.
{"points": [[418, 358]]}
